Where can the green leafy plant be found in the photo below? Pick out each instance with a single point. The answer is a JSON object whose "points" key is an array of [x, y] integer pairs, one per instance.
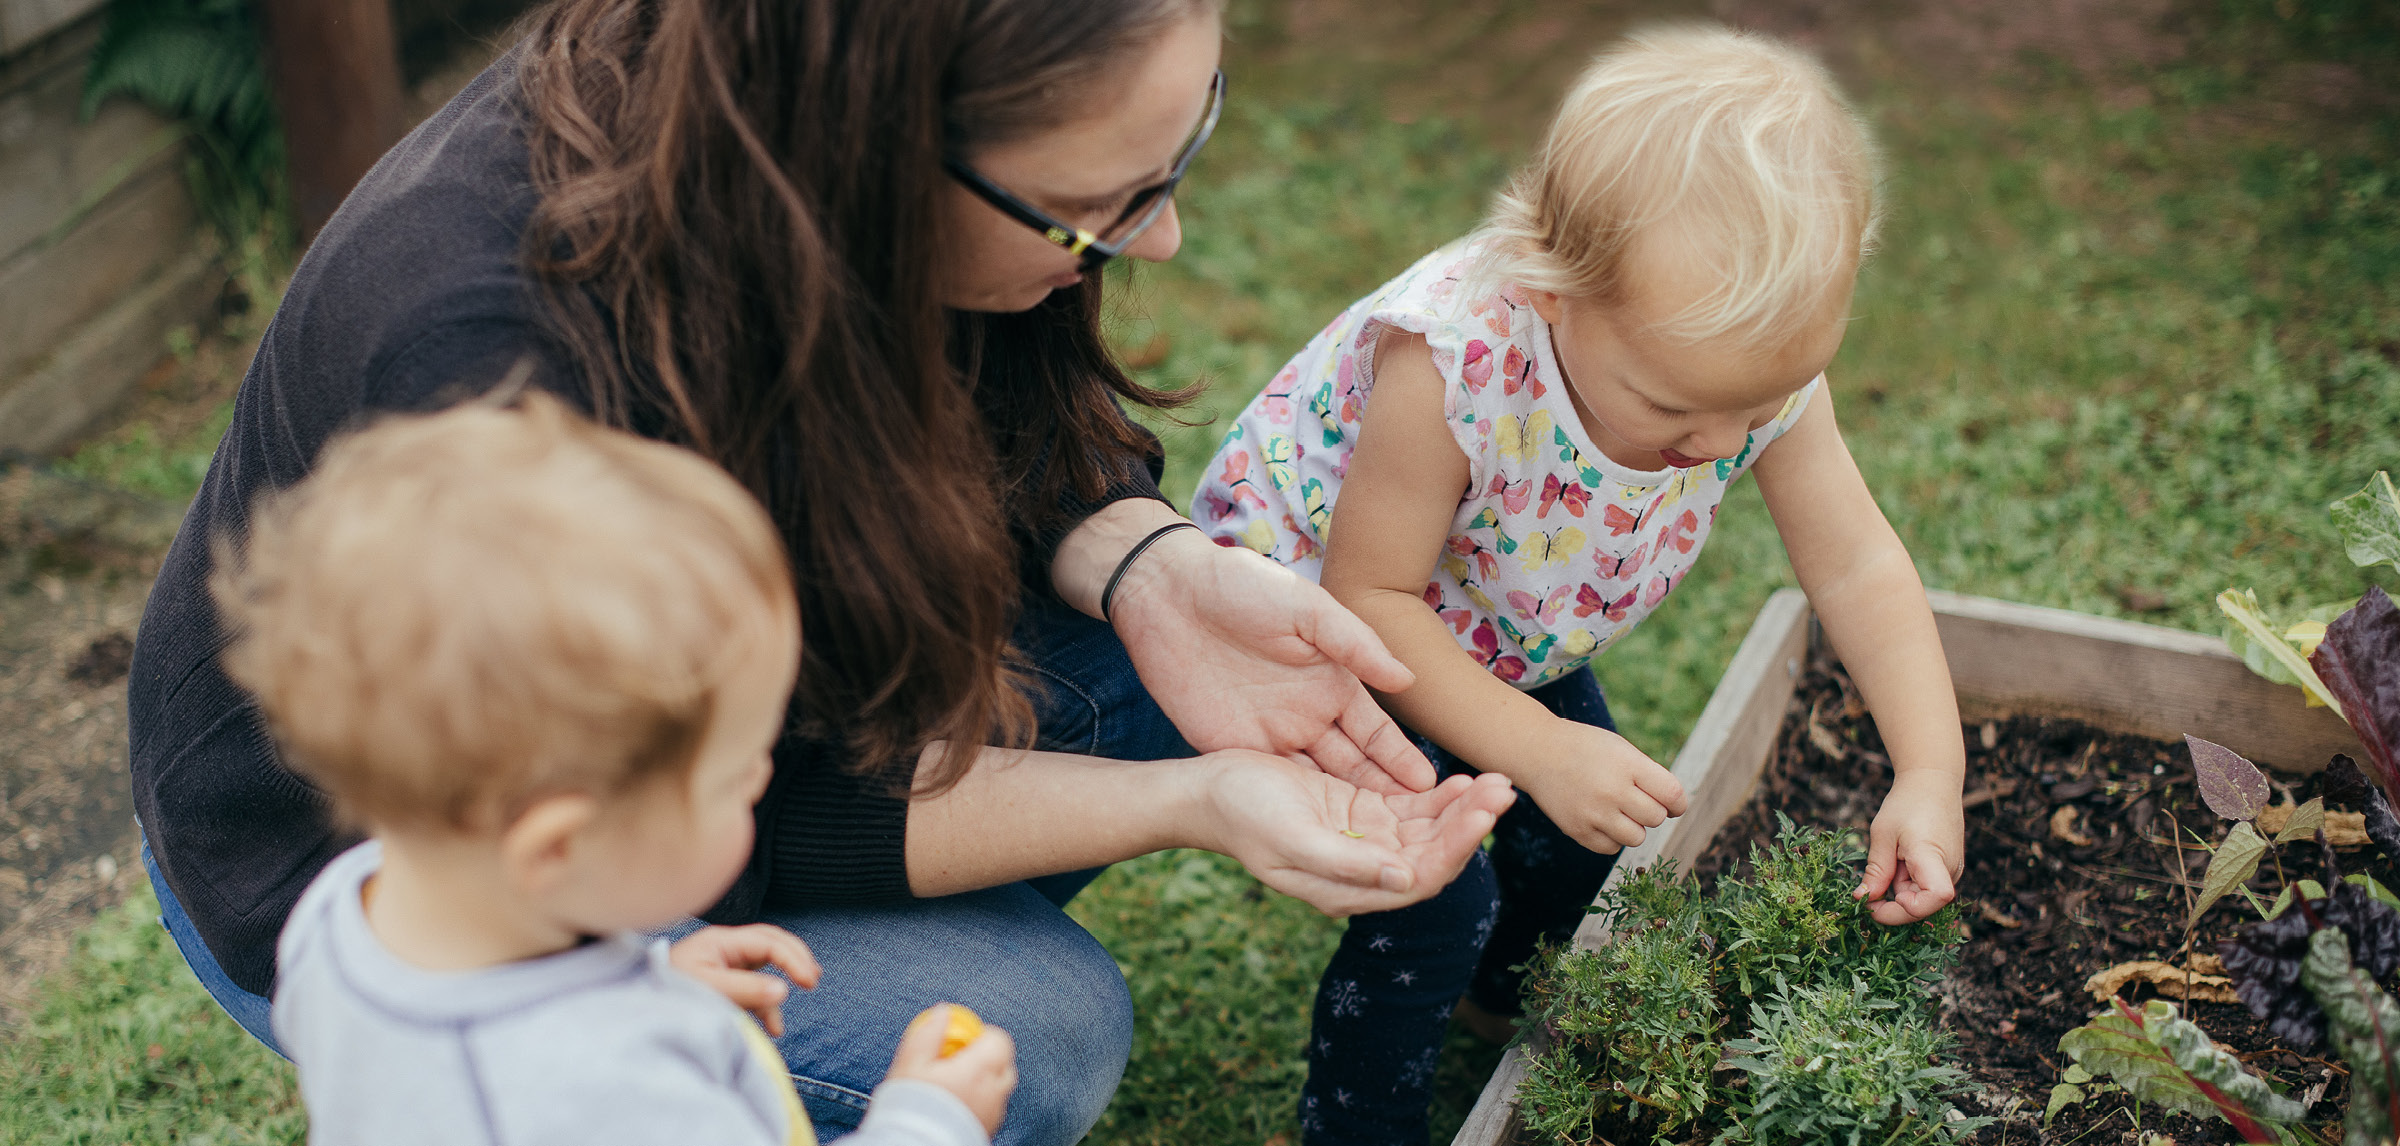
{"points": [[2282, 649], [1834, 1063], [1837, 1040], [198, 62], [1641, 1013]]}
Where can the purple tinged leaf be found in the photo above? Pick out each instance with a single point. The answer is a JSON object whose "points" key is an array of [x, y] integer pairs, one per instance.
{"points": [[2344, 783], [2359, 662], [2233, 787], [2265, 959]]}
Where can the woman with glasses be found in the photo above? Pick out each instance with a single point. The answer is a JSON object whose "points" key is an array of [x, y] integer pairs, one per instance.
{"points": [[851, 251]]}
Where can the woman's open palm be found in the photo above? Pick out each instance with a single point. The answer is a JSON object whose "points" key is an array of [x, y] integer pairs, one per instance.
{"points": [[1340, 848], [1242, 653]]}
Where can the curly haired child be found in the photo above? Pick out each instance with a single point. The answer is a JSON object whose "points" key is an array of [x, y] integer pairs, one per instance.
{"points": [[541, 664]]}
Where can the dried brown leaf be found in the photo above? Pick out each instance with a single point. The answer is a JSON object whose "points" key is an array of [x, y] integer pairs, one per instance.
{"points": [[2346, 830], [2062, 828], [2174, 982]]}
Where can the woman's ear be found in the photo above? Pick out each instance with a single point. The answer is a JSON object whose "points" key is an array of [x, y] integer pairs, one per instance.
{"points": [[540, 848]]}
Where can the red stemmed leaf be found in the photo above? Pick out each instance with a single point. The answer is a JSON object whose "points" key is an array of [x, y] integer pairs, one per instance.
{"points": [[2160, 1057], [2233, 786], [2360, 664]]}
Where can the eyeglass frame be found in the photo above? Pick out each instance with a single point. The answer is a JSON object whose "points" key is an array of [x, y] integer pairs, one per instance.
{"points": [[1086, 246]]}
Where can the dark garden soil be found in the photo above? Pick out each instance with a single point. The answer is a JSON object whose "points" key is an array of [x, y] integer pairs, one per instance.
{"points": [[2071, 868]]}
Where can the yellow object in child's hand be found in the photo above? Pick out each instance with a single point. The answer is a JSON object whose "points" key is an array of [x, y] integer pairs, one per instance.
{"points": [[964, 1027]]}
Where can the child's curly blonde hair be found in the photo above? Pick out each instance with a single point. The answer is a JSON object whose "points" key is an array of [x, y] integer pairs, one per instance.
{"points": [[460, 613], [1741, 141]]}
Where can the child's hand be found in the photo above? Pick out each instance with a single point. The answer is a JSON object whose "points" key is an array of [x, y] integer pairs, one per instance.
{"points": [[1915, 849], [982, 1073], [1599, 788], [728, 959]]}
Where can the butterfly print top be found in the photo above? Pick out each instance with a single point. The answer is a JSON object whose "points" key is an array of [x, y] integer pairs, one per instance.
{"points": [[1555, 551]]}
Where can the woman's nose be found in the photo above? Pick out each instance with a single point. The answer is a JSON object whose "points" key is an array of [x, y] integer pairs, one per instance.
{"points": [[1161, 241]]}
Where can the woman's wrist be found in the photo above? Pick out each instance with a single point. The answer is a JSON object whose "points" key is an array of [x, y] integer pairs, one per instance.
{"points": [[1092, 553]]}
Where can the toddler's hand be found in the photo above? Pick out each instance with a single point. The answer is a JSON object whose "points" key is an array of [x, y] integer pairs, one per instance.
{"points": [[728, 959], [982, 1073], [1599, 788], [1915, 849]]}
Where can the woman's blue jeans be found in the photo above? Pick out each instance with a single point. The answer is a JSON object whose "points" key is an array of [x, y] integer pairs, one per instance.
{"points": [[1009, 952]]}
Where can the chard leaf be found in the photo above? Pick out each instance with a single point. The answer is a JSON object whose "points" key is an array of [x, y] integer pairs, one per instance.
{"points": [[2365, 1025], [2283, 902], [2265, 959], [2235, 861], [2263, 645], [2160, 1057], [2305, 821], [2344, 782], [2370, 523], [2359, 665], [2377, 891], [2233, 786], [2062, 1096]]}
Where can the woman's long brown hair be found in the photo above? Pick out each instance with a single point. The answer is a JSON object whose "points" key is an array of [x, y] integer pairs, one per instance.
{"points": [[739, 233]]}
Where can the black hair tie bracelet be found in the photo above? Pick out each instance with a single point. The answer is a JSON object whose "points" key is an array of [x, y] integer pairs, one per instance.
{"points": [[1108, 595]]}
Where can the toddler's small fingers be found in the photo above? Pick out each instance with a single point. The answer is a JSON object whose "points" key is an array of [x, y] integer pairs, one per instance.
{"points": [[1890, 913], [921, 1042], [995, 1047], [1639, 807], [1883, 863], [1662, 786], [787, 952], [1623, 830], [761, 995]]}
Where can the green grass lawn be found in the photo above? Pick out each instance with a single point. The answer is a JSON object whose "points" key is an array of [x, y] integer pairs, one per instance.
{"points": [[2122, 343]]}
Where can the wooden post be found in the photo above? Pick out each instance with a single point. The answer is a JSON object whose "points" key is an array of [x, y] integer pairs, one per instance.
{"points": [[336, 70]]}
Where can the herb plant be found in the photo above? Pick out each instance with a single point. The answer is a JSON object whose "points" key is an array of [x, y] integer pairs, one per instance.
{"points": [[1836, 1063], [1772, 1010]]}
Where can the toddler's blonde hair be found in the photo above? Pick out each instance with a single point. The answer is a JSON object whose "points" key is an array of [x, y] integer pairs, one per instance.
{"points": [[1740, 140], [459, 613]]}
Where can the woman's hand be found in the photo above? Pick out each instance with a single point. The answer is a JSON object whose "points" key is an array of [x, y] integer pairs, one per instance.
{"points": [[1242, 653], [1342, 849], [730, 959]]}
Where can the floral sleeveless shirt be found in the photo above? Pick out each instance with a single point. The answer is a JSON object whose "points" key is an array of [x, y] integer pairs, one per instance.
{"points": [[1555, 551]]}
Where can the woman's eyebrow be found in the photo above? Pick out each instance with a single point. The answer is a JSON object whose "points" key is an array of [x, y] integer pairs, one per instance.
{"points": [[1103, 199]]}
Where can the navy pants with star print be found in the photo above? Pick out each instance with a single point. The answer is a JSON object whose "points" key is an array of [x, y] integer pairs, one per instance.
{"points": [[1384, 1004]]}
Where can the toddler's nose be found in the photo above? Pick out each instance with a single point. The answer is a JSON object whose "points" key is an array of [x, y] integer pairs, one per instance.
{"points": [[1723, 440]]}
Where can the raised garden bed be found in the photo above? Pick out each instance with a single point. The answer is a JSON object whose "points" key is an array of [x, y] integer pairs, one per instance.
{"points": [[2037, 676]]}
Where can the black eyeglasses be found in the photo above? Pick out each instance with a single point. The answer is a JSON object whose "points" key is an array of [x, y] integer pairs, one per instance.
{"points": [[1095, 248]]}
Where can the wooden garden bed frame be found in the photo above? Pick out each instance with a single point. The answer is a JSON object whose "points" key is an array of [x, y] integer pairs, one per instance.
{"points": [[2005, 659]]}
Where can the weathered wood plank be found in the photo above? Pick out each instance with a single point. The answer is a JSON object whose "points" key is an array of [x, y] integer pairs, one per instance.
{"points": [[1721, 759], [1719, 765], [23, 22], [1494, 1119], [2128, 677]]}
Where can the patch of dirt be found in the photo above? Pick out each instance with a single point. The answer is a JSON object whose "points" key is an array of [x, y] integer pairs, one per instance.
{"points": [[75, 566], [2072, 867], [76, 561]]}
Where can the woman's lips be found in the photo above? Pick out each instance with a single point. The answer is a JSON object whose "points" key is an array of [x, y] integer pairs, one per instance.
{"points": [[1681, 462]]}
